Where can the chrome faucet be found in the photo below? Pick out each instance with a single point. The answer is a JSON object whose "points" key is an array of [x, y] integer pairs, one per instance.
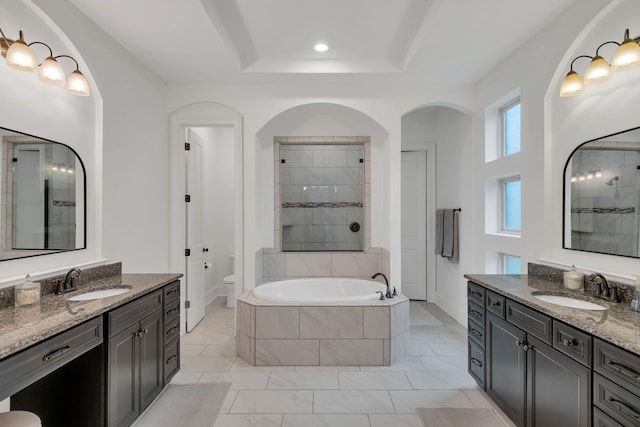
{"points": [[389, 294], [604, 290], [68, 285]]}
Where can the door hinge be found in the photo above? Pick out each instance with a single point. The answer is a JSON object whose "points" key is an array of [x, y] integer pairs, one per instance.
{"points": [[187, 146], [187, 304], [187, 198], [187, 252]]}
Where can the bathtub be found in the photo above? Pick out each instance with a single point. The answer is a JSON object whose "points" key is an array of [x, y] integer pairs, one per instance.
{"points": [[321, 322], [320, 290]]}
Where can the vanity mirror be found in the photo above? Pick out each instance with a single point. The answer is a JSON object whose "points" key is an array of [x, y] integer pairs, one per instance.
{"points": [[42, 197], [602, 195]]}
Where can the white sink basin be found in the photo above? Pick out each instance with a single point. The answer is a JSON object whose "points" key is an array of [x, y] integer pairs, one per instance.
{"points": [[103, 293], [570, 302]]}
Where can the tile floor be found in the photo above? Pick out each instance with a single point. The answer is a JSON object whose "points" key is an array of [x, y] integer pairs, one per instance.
{"points": [[432, 375]]}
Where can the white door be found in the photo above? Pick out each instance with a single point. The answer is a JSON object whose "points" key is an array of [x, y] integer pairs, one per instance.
{"points": [[414, 225], [195, 261]]}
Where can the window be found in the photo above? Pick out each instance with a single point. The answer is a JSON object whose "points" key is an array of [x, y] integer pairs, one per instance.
{"points": [[510, 205], [510, 264], [510, 128]]}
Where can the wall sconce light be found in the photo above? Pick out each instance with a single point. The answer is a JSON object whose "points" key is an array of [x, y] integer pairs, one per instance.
{"points": [[19, 55], [626, 56]]}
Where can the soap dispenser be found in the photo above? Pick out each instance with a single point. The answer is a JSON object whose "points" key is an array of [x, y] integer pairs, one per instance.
{"points": [[27, 293], [635, 302], [573, 280]]}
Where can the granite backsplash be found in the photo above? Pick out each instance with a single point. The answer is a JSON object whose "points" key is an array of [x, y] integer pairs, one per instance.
{"points": [[48, 285]]}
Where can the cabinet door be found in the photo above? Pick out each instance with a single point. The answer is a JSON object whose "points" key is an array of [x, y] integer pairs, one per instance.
{"points": [[558, 388], [150, 342], [123, 378], [506, 370]]}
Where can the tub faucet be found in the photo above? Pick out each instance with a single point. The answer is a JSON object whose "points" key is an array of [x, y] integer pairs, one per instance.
{"points": [[389, 294]]}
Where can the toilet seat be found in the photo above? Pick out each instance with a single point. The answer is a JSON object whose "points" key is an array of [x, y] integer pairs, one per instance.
{"points": [[19, 419]]}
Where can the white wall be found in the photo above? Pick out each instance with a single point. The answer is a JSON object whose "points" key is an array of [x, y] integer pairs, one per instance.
{"points": [[528, 71], [599, 111], [218, 204], [450, 131]]}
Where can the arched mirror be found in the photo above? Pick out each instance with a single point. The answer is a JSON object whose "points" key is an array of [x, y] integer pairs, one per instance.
{"points": [[602, 195], [42, 197]]}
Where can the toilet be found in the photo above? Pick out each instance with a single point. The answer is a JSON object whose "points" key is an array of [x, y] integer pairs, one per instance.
{"points": [[19, 419], [230, 283]]}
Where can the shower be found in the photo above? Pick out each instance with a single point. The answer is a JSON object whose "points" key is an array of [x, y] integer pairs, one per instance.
{"points": [[610, 182]]}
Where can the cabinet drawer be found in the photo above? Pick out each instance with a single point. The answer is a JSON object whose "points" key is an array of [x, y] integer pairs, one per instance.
{"points": [[600, 419], [616, 402], [495, 304], [618, 365], [32, 364], [475, 293], [171, 360], [171, 311], [172, 330], [572, 342], [171, 292], [530, 321], [133, 312], [476, 332], [476, 364], [475, 312]]}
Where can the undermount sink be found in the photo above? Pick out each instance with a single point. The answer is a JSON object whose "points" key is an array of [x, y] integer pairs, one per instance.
{"points": [[570, 302], [102, 293]]}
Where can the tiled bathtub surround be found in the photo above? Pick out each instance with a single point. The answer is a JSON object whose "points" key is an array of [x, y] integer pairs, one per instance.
{"points": [[347, 335]]}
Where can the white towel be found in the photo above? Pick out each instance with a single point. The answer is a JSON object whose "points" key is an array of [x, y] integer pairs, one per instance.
{"points": [[439, 231]]}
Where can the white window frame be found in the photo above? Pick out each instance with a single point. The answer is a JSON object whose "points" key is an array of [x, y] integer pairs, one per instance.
{"points": [[502, 262], [501, 206], [502, 122]]}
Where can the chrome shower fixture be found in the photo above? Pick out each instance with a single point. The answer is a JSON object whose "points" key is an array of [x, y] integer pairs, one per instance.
{"points": [[612, 180]]}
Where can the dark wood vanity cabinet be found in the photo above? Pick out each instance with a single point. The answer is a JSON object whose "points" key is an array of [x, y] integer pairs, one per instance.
{"points": [[534, 383], [139, 335]]}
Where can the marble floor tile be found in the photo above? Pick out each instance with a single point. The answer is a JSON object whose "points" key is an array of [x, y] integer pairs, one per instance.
{"points": [[191, 350], [352, 402], [241, 365], [449, 349], [186, 377], [451, 380], [408, 364], [406, 402], [303, 381], [454, 338], [395, 420], [273, 402], [373, 381], [419, 349], [238, 380], [325, 420], [444, 364], [228, 402], [329, 368], [248, 420], [206, 363], [194, 338], [425, 338], [218, 329], [228, 349]]}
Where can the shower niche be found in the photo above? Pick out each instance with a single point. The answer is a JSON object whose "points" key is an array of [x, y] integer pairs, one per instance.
{"points": [[322, 193]]}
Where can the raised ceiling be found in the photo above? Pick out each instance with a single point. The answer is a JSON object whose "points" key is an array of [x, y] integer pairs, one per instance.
{"points": [[271, 41]]}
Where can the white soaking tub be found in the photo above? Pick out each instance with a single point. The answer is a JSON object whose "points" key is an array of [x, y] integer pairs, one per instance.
{"points": [[320, 290]]}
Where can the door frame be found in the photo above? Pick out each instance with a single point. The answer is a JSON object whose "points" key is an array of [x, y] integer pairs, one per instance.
{"points": [[430, 149], [177, 185]]}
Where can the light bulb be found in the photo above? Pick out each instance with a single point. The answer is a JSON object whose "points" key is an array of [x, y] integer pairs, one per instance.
{"points": [[20, 56], [582, 177], [571, 85], [63, 169], [627, 55], [51, 72], [598, 174], [590, 175], [77, 84], [321, 47], [598, 71], [54, 168], [574, 179]]}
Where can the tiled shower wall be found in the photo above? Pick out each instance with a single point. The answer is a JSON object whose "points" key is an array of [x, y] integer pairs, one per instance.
{"points": [[322, 193], [273, 264], [602, 221]]}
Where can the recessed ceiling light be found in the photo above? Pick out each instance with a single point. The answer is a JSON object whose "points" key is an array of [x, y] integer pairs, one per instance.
{"points": [[321, 47]]}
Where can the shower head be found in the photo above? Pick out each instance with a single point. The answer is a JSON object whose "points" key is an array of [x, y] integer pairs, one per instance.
{"points": [[610, 182]]}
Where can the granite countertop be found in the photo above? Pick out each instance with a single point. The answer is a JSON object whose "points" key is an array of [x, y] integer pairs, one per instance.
{"points": [[25, 326], [617, 324]]}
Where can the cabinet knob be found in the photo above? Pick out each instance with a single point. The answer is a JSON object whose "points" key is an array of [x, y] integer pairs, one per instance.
{"points": [[518, 343], [570, 342], [527, 347]]}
